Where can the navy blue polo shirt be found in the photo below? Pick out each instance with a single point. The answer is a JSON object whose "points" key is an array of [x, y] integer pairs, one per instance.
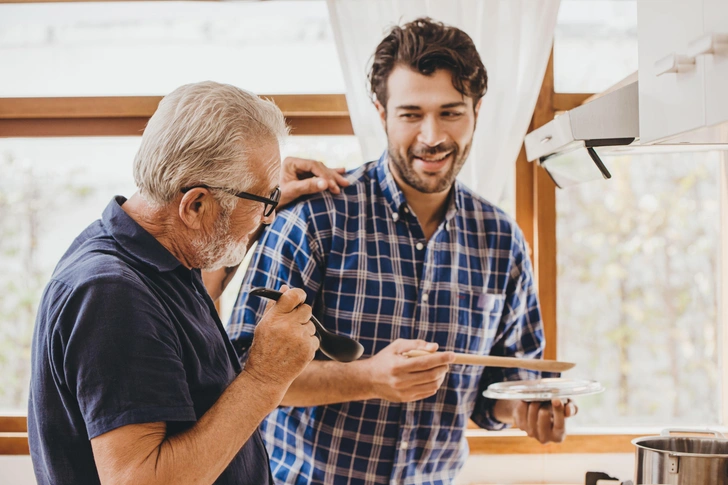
{"points": [[125, 334]]}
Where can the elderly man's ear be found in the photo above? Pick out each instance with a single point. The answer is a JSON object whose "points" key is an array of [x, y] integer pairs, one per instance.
{"points": [[195, 207]]}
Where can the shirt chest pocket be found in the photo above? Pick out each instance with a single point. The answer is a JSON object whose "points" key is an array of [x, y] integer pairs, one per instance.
{"points": [[479, 316]]}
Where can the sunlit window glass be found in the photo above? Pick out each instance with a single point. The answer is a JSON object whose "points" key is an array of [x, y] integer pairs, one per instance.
{"points": [[50, 190], [151, 48], [595, 44], [638, 280]]}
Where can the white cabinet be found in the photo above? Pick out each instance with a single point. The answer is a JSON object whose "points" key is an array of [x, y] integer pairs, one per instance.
{"points": [[683, 67], [715, 42]]}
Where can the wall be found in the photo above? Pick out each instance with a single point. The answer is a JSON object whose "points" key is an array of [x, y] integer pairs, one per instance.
{"points": [[551, 468], [480, 469], [16, 470]]}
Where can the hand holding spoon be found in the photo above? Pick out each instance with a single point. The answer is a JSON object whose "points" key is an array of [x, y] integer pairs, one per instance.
{"points": [[336, 347]]}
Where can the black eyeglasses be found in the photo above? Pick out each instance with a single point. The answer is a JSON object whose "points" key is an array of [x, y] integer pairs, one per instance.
{"points": [[270, 203]]}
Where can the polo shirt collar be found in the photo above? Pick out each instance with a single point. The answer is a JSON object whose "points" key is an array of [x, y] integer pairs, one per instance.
{"points": [[134, 239]]}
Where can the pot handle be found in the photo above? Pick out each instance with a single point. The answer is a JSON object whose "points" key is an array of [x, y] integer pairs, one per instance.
{"points": [[668, 431]]}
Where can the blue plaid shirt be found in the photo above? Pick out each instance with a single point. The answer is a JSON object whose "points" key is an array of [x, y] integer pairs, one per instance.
{"points": [[368, 271]]}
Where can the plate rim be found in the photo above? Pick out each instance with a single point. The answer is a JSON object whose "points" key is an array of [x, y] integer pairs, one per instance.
{"points": [[545, 395]]}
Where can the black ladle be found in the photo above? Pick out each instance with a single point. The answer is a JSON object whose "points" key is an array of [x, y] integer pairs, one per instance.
{"points": [[336, 347]]}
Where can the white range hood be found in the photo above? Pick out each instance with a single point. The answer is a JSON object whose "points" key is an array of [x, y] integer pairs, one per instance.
{"points": [[569, 146], [612, 119], [566, 147], [676, 101]]}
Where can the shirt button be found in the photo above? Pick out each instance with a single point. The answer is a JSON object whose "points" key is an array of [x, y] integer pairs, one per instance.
{"points": [[419, 246], [406, 210], [395, 217], [424, 298], [403, 445]]}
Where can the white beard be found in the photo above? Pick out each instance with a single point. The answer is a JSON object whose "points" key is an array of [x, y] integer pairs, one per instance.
{"points": [[219, 249]]}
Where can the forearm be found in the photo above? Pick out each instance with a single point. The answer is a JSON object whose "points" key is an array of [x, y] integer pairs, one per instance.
{"points": [[329, 382], [147, 455], [202, 453]]}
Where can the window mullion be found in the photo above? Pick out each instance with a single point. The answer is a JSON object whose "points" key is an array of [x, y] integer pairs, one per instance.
{"points": [[723, 285]]}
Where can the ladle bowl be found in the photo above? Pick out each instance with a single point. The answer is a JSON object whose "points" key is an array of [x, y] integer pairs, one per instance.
{"points": [[336, 347]]}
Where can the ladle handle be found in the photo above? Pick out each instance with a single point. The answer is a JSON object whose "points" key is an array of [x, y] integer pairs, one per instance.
{"points": [[275, 295], [266, 293]]}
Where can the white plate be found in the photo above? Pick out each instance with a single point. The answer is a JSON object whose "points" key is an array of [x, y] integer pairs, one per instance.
{"points": [[542, 389]]}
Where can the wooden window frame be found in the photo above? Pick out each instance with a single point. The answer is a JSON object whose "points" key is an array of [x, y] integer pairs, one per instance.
{"points": [[311, 114], [322, 115]]}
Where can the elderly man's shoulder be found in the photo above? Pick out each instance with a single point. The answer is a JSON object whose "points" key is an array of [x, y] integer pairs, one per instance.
{"points": [[96, 262]]}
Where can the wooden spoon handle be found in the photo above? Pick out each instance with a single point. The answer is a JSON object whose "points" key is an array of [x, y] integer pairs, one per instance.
{"points": [[511, 362]]}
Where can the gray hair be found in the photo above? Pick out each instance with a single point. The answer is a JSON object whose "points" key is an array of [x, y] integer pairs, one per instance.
{"points": [[202, 134]]}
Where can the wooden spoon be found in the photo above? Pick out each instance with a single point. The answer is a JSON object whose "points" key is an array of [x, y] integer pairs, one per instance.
{"points": [[511, 362]]}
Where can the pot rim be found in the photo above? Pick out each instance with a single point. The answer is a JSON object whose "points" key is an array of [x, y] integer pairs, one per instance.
{"points": [[637, 444]]}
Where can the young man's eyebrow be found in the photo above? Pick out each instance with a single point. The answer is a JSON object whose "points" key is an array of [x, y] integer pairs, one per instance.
{"points": [[458, 104], [413, 107]]}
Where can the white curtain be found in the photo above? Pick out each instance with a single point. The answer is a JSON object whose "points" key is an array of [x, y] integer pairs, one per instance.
{"points": [[514, 38]]}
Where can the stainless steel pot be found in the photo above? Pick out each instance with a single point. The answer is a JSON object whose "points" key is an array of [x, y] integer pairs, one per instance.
{"points": [[682, 460]]}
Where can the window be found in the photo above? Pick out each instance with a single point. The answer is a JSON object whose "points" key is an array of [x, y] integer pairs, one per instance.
{"points": [[595, 44], [334, 151], [639, 289], [50, 190], [53, 187], [151, 48]]}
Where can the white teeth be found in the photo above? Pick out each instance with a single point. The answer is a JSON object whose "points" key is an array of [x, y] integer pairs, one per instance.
{"points": [[435, 159]]}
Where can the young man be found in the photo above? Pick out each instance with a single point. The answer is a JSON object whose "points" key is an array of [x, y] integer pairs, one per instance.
{"points": [[134, 379], [404, 258]]}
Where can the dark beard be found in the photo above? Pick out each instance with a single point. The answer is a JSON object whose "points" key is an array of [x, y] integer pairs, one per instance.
{"points": [[410, 177]]}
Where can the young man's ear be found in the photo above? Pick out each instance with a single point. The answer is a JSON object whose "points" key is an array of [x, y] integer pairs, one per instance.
{"points": [[382, 113]]}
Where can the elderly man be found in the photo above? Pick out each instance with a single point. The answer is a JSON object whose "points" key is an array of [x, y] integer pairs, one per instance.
{"points": [[405, 258], [134, 380]]}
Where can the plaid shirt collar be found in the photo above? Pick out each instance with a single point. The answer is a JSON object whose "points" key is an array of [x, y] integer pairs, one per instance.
{"points": [[395, 198]]}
